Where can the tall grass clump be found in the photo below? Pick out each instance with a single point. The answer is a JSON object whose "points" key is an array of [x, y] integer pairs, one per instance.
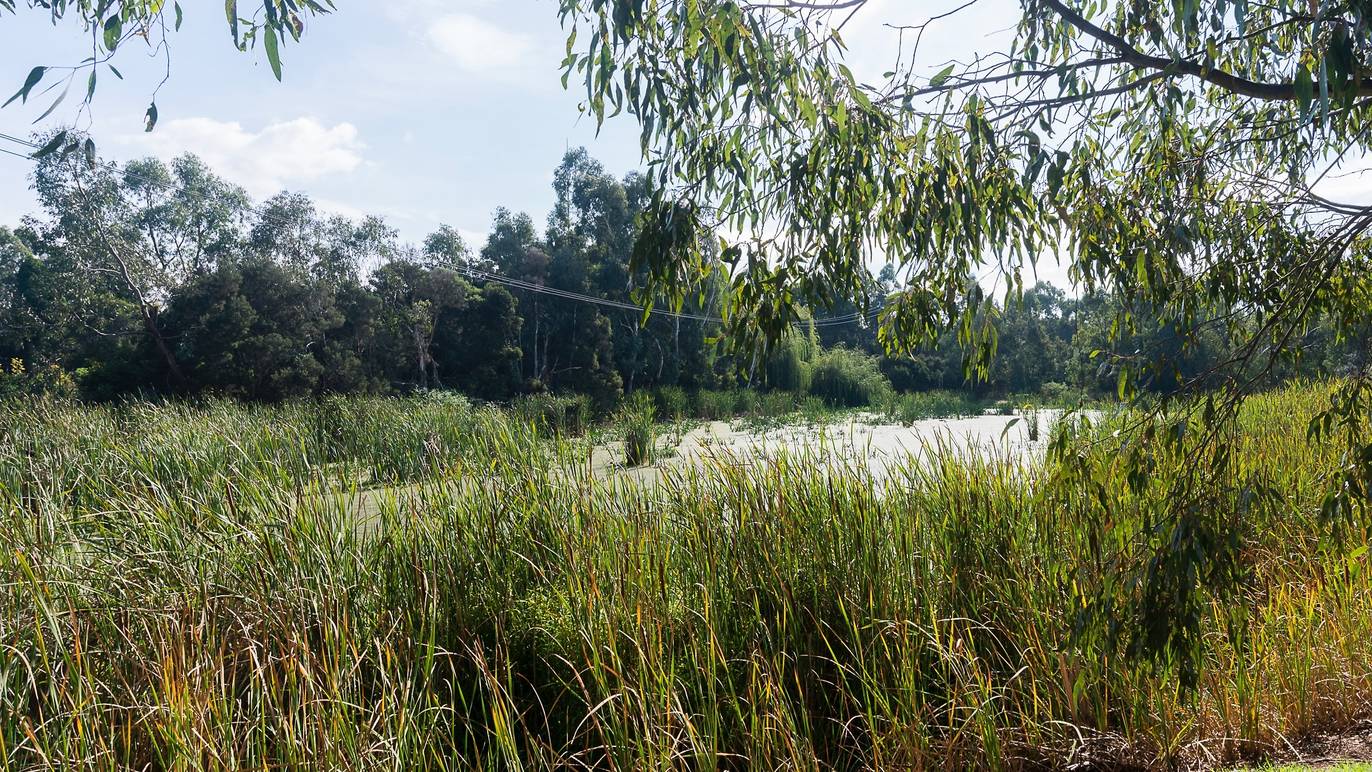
{"points": [[205, 586], [712, 405], [671, 402], [638, 418]]}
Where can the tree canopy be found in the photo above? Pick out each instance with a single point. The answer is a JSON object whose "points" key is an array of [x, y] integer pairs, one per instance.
{"points": [[1166, 150], [1169, 153]]}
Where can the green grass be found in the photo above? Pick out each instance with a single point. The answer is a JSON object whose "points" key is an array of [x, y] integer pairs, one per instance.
{"points": [[184, 587], [639, 431], [922, 406]]}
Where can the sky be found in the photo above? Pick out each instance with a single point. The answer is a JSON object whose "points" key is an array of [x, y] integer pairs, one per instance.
{"points": [[420, 111]]}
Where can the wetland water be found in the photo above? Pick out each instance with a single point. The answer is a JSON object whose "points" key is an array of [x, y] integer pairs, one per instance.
{"points": [[860, 438], [863, 437]]}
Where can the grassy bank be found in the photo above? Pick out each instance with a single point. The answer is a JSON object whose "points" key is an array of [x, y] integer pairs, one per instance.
{"points": [[178, 594]]}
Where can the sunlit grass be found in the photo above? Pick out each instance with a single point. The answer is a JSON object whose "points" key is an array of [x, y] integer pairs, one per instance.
{"points": [[192, 587]]}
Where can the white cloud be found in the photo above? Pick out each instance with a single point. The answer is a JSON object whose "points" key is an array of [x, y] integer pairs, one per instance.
{"points": [[280, 155], [341, 208], [475, 239], [479, 46]]}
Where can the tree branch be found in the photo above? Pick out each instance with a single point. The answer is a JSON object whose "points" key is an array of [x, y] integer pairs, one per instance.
{"points": [[1223, 79]]}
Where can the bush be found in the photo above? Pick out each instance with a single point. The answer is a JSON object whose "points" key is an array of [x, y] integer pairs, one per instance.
{"points": [[713, 405], [846, 378], [51, 381], [1055, 393]]}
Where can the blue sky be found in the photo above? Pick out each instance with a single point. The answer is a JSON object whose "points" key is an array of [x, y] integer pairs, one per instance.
{"points": [[421, 111]]}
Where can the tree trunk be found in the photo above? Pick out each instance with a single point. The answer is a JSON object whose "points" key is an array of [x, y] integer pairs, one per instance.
{"points": [[149, 315], [146, 309]]}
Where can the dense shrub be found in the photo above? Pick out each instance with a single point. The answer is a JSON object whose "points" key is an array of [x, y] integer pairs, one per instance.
{"points": [[846, 378], [672, 402], [17, 380]]}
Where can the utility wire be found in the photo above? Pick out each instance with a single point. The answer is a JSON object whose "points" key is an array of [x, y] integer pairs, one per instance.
{"points": [[16, 155], [527, 286]]}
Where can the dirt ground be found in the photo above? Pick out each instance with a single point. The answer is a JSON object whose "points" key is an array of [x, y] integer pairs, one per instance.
{"points": [[1348, 751]]}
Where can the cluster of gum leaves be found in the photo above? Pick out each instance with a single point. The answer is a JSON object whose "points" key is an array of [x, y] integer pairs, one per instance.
{"points": [[1171, 153], [110, 25]]}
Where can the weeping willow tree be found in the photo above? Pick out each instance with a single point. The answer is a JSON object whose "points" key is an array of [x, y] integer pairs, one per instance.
{"points": [[1168, 152]]}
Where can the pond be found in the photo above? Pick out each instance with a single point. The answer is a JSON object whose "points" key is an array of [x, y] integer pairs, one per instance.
{"points": [[868, 437]]}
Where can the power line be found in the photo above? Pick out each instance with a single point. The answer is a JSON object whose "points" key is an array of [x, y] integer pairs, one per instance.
{"points": [[7, 151], [576, 296]]}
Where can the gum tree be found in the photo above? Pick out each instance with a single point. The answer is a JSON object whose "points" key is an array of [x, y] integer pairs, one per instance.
{"points": [[1169, 153]]}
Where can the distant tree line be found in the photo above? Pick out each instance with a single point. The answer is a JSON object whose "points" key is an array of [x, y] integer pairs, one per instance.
{"points": [[159, 278]]}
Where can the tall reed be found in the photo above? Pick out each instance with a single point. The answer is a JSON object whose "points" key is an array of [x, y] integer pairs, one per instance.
{"points": [[216, 586]]}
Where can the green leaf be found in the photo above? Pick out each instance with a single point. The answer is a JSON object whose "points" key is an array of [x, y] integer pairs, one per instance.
{"points": [[273, 53], [150, 118], [89, 149], [52, 145], [1304, 86], [90, 85], [1324, 92], [35, 75], [177, 7], [54, 104], [942, 77], [114, 29], [231, 12]]}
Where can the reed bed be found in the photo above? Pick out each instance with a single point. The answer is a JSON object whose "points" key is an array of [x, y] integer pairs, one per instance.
{"points": [[190, 587]]}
